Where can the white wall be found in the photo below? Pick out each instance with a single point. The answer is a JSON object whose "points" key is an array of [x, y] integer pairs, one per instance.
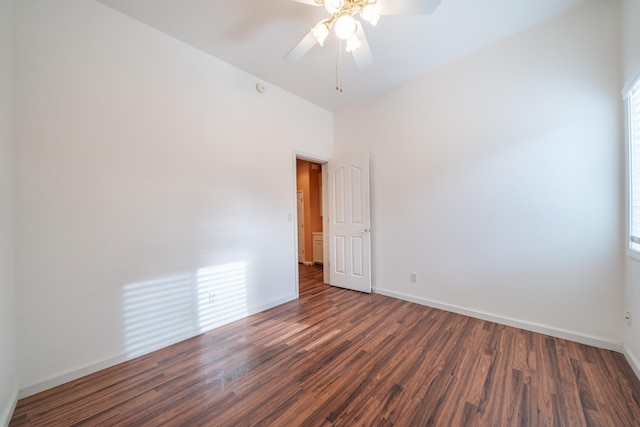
{"points": [[8, 371], [147, 175], [497, 179], [631, 13]]}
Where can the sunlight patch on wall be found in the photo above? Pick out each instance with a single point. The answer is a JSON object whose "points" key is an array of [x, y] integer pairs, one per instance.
{"points": [[157, 313], [161, 312], [222, 294]]}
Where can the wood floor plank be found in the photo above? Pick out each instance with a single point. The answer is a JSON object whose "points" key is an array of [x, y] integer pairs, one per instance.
{"points": [[340, 358]]}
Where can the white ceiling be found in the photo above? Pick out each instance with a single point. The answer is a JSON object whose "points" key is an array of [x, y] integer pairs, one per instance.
{"points": [[254, 35]]}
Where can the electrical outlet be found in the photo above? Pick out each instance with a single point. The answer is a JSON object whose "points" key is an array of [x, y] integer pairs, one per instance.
{"points": [[413, 277], [627, 317]]}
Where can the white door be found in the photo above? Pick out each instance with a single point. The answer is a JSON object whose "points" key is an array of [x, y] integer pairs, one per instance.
{"points": [[300, 214], [349, 224]]}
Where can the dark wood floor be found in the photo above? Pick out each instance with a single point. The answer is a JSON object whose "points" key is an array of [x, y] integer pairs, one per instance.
{"points": [[336, 357]]}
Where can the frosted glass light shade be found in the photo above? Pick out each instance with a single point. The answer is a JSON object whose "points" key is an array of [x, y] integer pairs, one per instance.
{"points": [[320, 32], [345, 27], [353, 43], [372, 11]]}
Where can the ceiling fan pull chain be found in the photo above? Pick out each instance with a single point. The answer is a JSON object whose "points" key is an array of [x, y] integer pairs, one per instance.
{"points": [[339, 87]]}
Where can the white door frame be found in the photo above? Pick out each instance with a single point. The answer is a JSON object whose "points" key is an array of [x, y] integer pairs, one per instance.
{"points": [[322, 161], [300, 221]]}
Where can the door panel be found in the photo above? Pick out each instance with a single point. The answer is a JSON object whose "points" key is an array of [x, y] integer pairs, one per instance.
{"points": [[339, 258], [338, 191], [357, 248], [356, 194], [349, 226]]}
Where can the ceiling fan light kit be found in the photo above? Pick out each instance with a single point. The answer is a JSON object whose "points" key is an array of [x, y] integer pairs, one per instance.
{"points": [[343, 21], [342, 17]]}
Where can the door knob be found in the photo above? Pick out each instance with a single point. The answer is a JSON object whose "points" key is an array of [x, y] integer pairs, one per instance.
{"points": [[365, 230]]}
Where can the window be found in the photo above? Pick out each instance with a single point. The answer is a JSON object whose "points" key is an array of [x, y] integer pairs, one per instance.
{"points": [[633, 117]]}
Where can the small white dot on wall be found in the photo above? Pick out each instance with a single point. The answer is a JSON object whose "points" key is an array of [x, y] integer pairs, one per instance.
{"points": [[260, 87]]}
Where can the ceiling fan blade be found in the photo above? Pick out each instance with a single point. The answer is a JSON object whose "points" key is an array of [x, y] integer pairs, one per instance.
{"points": [[301, 48], [362, 55], [311, 2], [409, 7]]}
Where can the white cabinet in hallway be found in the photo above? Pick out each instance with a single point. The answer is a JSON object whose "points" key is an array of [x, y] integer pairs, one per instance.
{"points": [[317, 248]]}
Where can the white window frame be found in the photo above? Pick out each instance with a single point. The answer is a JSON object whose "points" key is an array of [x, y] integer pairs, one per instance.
{"points": [[632, 98]]}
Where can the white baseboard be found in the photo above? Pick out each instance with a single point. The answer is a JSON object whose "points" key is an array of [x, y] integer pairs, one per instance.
{"points": [[591, 340], [633, 361], [91, 368], [70, 375], [7, 412]]}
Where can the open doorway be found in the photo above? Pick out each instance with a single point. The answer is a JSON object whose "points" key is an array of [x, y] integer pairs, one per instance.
{"points": [[344, 206], [310, 219]]}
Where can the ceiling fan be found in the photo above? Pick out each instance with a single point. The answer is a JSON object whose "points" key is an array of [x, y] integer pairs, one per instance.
{"points": [[343, 20]]}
